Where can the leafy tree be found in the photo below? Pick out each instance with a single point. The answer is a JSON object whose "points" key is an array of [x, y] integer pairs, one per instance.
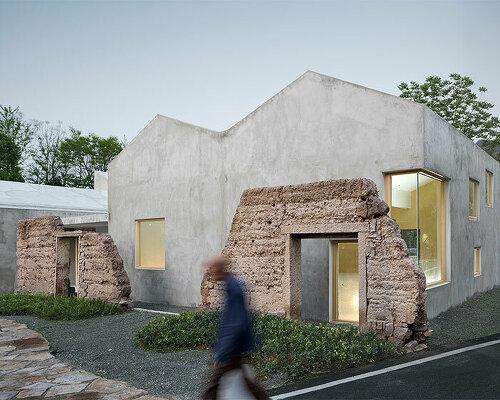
{"points": [[454, 100], [10, 158], [45, 165], [13, 125], [82, 155]]}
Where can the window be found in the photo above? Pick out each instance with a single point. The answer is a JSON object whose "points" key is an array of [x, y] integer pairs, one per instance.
{"points": [[472, 199], [488, 186], [150, 244], [477, 261], [418, 204]]}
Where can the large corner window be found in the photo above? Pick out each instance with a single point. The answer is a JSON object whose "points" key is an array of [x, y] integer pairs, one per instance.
{"points": [[150, 243], [488, 186], [472, 199], [477, 261], [417, 201]]}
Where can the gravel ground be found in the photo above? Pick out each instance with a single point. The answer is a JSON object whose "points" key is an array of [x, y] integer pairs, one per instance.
{"points": [[103, 346], [477, 317]]}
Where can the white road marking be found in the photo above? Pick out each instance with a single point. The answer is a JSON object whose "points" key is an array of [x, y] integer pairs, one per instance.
{"points": [[383, 370], [154, 311]]}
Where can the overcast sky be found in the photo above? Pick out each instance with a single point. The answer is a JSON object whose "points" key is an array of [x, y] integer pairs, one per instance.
{"points": [[110, 67]]}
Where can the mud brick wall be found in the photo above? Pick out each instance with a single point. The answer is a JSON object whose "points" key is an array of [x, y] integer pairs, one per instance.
{"points": [[36, 254], [256, 247], [100, 267], [101, 272]]}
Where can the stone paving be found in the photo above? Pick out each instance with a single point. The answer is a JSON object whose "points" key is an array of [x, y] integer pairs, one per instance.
{"points": [[29, 371]]}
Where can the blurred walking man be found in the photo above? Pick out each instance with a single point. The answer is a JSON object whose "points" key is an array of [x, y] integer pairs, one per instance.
{"points": [[234, 336]]}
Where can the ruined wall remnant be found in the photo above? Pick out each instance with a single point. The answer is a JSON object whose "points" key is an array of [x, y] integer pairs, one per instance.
{"points": [[43, 262], [36, 254], [101, 272], [257, 250]]}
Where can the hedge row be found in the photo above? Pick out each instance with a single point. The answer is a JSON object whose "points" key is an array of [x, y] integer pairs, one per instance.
{"points": [[55, 307]]}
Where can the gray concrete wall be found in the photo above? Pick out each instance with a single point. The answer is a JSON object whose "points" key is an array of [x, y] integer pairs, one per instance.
{"points": [[315, 279], [317, 128], [9, 217], [451, 154], [170, 170]]}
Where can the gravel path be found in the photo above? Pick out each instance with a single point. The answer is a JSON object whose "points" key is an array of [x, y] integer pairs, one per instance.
{"points": [[477, 317], [103, 346]]}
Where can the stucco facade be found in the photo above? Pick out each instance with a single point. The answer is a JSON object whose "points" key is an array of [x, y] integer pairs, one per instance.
{"points": [[317, 128]]}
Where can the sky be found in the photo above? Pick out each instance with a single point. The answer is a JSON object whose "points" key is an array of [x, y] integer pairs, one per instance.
{"points": [[110, 67]]}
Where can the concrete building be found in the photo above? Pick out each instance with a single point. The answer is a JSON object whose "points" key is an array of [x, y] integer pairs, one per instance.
{"points": [[78, 208], [173, 191]]}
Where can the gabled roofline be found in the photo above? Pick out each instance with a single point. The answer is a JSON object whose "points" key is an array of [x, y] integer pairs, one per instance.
{"points": [[286, 88], [308, 73]]}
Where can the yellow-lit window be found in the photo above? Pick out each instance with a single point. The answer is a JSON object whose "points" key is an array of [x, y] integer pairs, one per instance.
{"points": [[150, 244], [488, 185], [472, 199], [477, 261], [418, 204]]}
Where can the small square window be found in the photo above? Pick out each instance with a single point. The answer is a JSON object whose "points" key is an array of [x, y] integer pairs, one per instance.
{"points": [[488, 187], [150, 244], [472, 199], [477, 261]]}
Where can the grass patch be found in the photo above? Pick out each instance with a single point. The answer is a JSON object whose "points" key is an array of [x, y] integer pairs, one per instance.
{"points": [[293, 348], [55, 307]]}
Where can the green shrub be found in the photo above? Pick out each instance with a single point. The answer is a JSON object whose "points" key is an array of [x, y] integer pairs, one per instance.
{"points": [[283, 346], [54, 307]]}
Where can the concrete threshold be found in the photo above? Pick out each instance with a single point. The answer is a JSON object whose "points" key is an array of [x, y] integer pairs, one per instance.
{"points": [[154, 311]]}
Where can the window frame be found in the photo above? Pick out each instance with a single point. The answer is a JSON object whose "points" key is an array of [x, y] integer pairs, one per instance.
{"points": [[137, 244], [488, 187], [476, 198], [477, 261], [444, 209]]}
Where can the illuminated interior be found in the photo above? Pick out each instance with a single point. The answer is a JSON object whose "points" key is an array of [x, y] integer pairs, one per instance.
{"points": [[417, 206], [150, 244], [472, 199], [489, 188], [477, 261], [347, 282]]}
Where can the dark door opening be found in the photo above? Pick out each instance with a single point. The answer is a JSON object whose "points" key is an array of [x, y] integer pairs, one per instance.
{"points": [[67, 266]]}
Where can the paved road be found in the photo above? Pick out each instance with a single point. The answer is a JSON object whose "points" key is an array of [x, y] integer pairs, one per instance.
{"points": [[474, 374]]}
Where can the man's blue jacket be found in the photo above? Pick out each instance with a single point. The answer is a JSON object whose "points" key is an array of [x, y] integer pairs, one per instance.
{"points": [[234, 336]]}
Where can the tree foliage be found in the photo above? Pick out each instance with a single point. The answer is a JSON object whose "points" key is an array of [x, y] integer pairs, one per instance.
{"points": [[45, 165], [454, 100], [13, 125], [10, 157], [82, 155], [69, 160]]}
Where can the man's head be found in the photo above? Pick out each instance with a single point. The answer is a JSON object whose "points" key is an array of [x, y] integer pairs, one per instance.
{"points": [[216, 267]]}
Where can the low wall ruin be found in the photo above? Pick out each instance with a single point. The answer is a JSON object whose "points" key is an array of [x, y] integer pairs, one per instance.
{"points": [[264, 250], [42, 267]]}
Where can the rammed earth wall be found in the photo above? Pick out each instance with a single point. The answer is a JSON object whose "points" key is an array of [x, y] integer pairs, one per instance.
{"points": [[101, 272], [264, 249], [36, 254], [42, 257]]}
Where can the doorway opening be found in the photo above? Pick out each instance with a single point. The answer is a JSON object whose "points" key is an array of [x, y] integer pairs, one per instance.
{"points": [[67, 266], [342, 272], [330, 279]]}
